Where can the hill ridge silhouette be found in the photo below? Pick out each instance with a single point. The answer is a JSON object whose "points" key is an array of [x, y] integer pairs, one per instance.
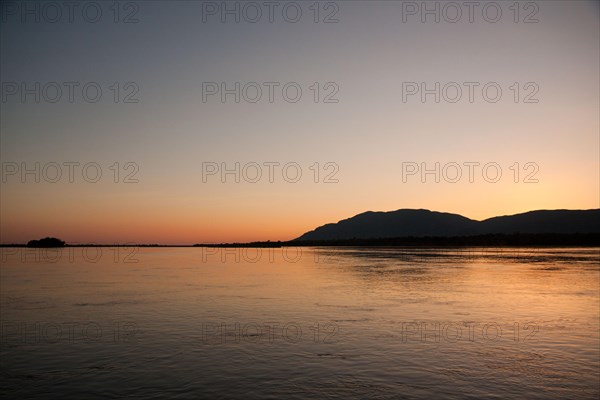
{"points": [[421, 222]]}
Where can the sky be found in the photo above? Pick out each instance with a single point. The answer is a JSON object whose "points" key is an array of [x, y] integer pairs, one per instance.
{"points": [[119, 123]]}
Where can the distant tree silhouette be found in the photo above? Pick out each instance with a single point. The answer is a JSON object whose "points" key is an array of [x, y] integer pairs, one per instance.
{"points": [[46, 242]]}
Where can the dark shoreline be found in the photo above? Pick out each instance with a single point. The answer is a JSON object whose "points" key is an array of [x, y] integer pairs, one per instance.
{"points": [[491, 240]]}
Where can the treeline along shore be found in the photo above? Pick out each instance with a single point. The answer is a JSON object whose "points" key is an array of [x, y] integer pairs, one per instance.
{"points": [[507, 240]]}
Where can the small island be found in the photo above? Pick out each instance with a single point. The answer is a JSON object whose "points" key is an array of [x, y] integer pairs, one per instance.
{"points": [[46, 242]]}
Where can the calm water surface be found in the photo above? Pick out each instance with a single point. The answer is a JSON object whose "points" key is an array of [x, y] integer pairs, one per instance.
{"points": [[300, 323]]}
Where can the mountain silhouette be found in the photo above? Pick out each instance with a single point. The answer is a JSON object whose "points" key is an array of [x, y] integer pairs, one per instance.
{"points": [[425, 223]]}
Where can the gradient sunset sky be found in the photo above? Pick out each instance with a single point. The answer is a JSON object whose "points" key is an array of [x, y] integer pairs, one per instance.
{"points": [[368, 134]]}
